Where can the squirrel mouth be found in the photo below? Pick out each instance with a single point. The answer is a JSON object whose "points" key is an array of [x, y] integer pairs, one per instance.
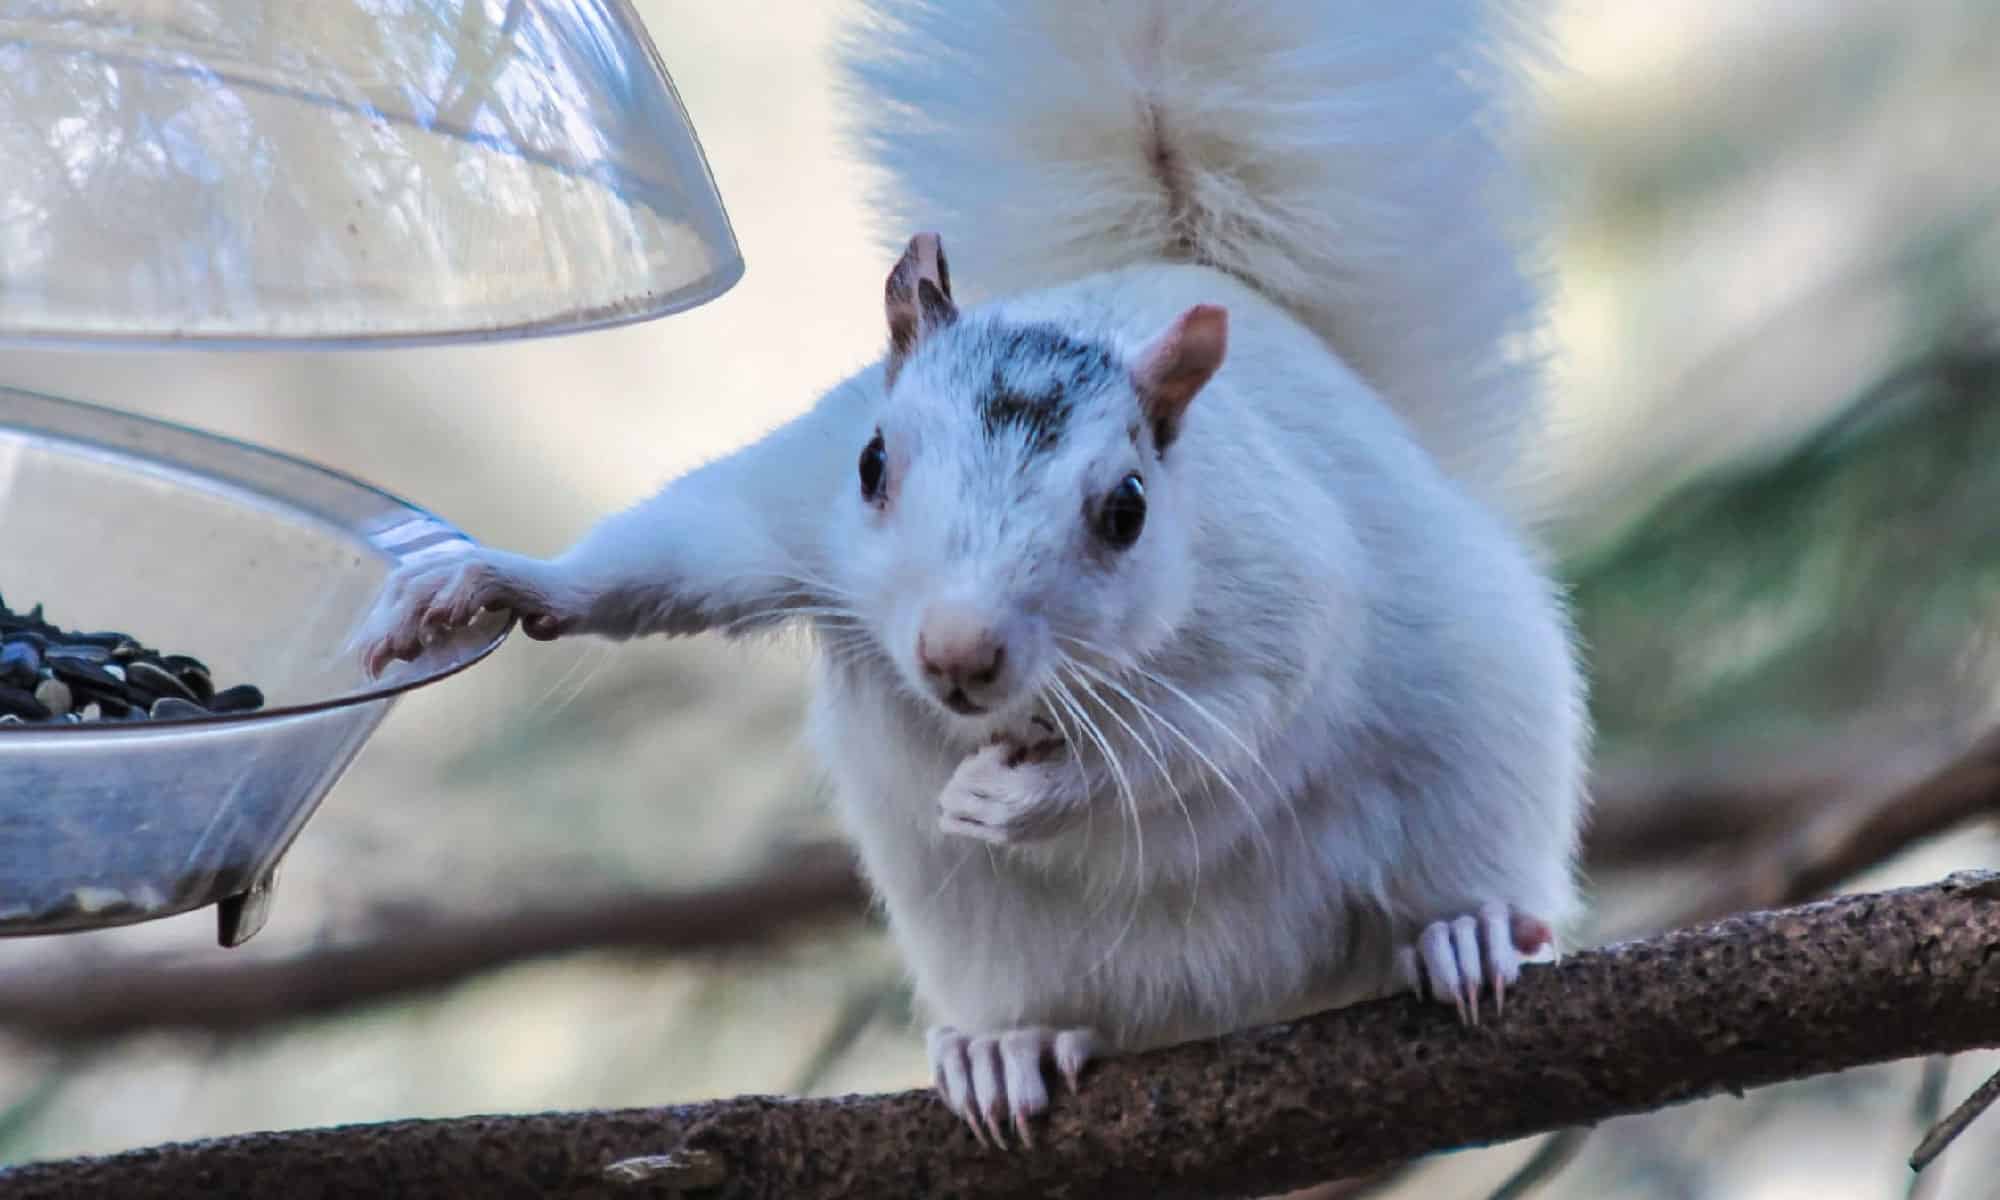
{"points": [[962, 704]]}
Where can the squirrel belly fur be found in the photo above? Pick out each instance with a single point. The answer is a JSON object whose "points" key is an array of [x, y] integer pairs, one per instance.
{"points": [[1180, 665]]}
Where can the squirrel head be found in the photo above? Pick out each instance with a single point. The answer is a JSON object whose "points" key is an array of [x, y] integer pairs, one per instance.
{"points": [[1018, 509]]}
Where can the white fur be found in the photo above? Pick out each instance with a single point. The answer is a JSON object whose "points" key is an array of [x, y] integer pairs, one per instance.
{"points": [[1394, 707], [1341, 155], [1343, 706]]}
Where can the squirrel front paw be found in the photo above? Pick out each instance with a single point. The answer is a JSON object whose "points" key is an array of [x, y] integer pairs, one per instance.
{"points": [[426, 600], [1012, 790]]}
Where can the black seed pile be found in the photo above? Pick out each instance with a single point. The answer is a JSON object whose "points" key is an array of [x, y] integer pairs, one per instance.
{"points": [[50, 675]]}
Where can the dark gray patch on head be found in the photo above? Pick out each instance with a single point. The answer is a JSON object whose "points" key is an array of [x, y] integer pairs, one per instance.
{"points": [[1039, 374], [1039, 419]]}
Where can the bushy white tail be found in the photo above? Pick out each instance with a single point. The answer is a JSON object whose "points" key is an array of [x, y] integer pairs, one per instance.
{"points": [[1337, 154]]}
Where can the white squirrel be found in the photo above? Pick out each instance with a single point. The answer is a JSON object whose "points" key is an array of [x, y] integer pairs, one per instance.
{"points": [[1179, 668]]}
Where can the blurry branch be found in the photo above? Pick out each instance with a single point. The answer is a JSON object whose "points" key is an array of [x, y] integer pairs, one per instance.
{"points": [[1649, 812], [1796, 862], [1746, 1001], [231, 993], [1926, 1185], [1798, 846], [859, 1009], [1644, 817], [1956, 1122], [1549, 1158], [1357, 1188]]}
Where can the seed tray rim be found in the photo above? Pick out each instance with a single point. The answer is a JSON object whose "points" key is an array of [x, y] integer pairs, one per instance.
{"points": [[392, 540]]}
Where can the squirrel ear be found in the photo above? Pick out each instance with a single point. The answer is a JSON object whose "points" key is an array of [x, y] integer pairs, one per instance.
{"points": [[918, 298], [1177, 364]]}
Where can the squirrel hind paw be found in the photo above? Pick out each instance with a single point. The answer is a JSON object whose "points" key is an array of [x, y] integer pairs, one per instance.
{"points": [[992, 1081], [1455, 960]]}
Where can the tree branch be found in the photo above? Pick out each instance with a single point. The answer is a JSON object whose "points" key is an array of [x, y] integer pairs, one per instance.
{"points": [[1839, 842], [1955, 1122], [1659, 808], [230, 993], [1746, 1001]]}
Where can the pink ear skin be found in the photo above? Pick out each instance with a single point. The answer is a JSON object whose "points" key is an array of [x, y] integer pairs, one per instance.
{"points": [[1177, 364], [917, 297]]}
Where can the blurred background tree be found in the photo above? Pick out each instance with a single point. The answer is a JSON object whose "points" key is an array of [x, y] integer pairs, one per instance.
{"points": [[1775, 486]]}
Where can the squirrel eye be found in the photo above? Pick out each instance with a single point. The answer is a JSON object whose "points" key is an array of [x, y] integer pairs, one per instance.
{"points": [[874, 463], [1123, 513]]}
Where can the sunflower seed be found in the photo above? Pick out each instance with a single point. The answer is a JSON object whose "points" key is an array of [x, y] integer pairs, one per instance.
{"points": [[20, 663], [158, 680], [193, 673], [47, 674], [114, 706], [21, 703], [242, 698], [54, 695], [78, 673]]}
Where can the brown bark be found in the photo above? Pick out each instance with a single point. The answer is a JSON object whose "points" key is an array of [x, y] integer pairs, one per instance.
{"points": [[1742, 1002]]}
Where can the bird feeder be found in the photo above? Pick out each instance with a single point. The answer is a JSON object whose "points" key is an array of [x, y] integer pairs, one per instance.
{"points": [[240, 175]]}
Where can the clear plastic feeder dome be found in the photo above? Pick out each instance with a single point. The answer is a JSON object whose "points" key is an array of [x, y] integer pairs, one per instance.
{"points": [[268, 172]]}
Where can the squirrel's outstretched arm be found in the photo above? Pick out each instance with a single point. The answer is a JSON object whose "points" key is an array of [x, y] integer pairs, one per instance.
{"points": [[731, 545], [737, 539]]}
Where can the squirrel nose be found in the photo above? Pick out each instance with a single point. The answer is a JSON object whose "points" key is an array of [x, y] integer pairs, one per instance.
{"points": [[960, 650]]}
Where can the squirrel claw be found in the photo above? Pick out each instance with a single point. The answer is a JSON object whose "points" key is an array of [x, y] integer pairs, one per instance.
{"points": [[1455, 959], [427, 600], [986, 1077]]}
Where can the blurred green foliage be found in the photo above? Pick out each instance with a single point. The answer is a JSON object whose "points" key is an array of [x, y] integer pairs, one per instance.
{"points": [[1793, 529], [1793, 595]]}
